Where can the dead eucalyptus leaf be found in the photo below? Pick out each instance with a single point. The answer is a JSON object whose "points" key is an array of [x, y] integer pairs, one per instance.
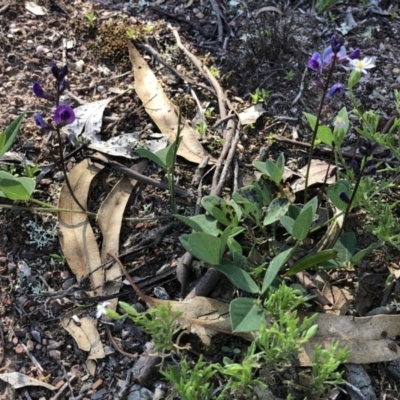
{"points": [[109, 219], [161, 110], [76, 236], [269, 8], [205, 317], [87, 338], [316, 175], [18, 381], [368, 338]]}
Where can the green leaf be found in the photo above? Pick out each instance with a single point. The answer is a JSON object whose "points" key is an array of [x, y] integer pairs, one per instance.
{"points": [[354, 78], [7, 137], [128, 308], [16, 188], [189, 222], [303, 222], [221, 210], [278, 207], [288, 223], [246, 315], [238, 277], [151, 156], [362, 253], [313, 203], [325, 135], [312, 260], [334, 190], [224, 239], [274, 267], [270, 169], [280, 163], [346, 246], [234, 246], [201, 223], [265, 190], [204, 247]]}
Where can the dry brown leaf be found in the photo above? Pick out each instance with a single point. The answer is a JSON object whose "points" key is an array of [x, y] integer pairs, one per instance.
{"points": [[109, 219], [317, 175], [86, 337], [77, 239], [162, 111], [368, 338], [18, 381], [201, 315]]}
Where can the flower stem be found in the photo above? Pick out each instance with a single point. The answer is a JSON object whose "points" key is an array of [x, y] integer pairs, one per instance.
{"points": [[314, 136]]}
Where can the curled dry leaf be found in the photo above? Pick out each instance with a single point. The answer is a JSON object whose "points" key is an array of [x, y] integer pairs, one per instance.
{"points": [[162, 111], [18, 381], [109, 219], [77, 239], [318, 170], [87, 338], [368, 338]]}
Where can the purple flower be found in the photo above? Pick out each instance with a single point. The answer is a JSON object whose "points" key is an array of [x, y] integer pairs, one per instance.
{"points": [[354, 166], [333, 172], [371, 171], [343, 196], [355, 54], [64, 115], [57, 73], [328, 54], [337, 43], [39, 121], [315, 63], [39, 92], [336, 89]]}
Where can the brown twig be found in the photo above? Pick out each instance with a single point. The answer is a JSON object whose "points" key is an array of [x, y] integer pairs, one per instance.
{"points": [[139, 177], [117, 347], [309, 285]]}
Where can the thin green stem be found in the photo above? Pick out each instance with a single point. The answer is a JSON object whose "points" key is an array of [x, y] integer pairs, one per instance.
{"points": [[314, 136], [45, 209], [171, 168], [353, 195]]}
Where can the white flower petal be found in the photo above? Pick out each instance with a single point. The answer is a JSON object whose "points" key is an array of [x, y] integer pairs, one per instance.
{"points": [[364, 64]]}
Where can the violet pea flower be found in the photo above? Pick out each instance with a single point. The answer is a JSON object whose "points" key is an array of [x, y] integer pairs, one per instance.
{"points": [[57, 73], [39, 121], [336, 89], [64, 115], [39, 92], [315, 62], [355, 54], [337, 43], [343, 196]]}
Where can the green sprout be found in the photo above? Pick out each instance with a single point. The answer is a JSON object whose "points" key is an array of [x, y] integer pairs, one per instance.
{"points": [[259, 95], [131, 33], [149, 28], [91, 17], [289, 75], [214, 72], [201, 127], [208, 112]]}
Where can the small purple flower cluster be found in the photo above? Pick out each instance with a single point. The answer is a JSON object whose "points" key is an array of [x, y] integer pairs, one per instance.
{"points": [[63, 114], [333, 55]]}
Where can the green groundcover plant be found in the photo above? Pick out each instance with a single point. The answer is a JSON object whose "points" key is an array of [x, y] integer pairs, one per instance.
{"points": [[228, 235]]}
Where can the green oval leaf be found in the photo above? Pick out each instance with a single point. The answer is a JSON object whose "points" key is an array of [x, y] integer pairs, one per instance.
{"points": [[10, 133], [312, 260], [246, 315]]}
